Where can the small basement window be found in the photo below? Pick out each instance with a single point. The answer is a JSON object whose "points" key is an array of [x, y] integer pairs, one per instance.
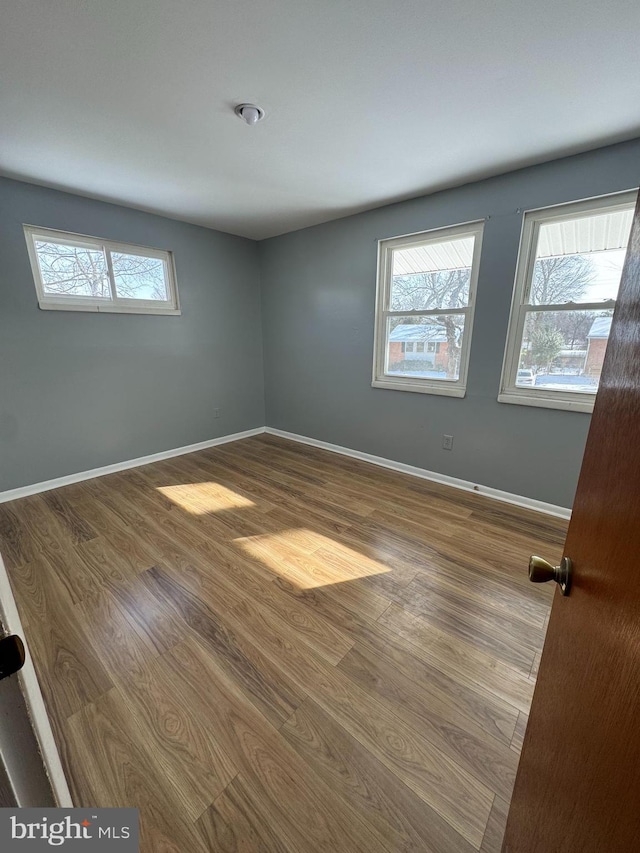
{"points": [[77, 273]]}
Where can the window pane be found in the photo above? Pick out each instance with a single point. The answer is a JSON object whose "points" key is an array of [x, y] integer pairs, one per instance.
{"points": [[72, 270], [439, 359], [580, 259], [563, 350], [137, 277], [432, 275]]}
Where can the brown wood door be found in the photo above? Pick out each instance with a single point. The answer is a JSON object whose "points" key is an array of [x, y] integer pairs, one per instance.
{"points": [[578, 783]]}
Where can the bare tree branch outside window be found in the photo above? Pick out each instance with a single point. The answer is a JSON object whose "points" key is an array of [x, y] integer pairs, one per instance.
{"points": [[73, 271], [561, 279], [77, 271]]}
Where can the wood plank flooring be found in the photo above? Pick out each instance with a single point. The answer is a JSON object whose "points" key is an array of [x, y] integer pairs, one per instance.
{"points": [[269, 648]]}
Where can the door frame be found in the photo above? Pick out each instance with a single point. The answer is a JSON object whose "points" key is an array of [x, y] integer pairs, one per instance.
{"points": [[34, 702]]}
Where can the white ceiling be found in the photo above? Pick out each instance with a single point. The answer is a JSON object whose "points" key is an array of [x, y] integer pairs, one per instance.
{"points": [[367, 101]]}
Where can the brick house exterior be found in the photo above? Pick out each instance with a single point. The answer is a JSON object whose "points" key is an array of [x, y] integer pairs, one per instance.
{"points": [[597, 340], [395, 354], [398, 356], [595, 357], [418, 347]]}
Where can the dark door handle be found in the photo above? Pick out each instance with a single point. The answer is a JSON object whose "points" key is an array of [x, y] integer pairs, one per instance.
{"points": [[12, 656], [540, 571]]}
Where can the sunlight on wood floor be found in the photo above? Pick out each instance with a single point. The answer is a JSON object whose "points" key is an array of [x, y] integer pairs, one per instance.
{"points": [[293, 555]]}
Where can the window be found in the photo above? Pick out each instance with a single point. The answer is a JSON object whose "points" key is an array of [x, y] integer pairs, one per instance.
{"points": [[425, 297], [567, 280], [76, 273]]}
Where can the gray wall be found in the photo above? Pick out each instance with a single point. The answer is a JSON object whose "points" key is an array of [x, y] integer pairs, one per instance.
{"points": [[78, 391], [318, 299], [81, 390]]}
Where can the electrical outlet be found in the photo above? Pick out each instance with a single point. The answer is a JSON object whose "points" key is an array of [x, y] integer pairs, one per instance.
{"points": [[216, 413], [447, 442]]}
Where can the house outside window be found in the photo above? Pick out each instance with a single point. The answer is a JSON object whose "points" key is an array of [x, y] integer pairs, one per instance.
{"points": [[424, 309], [568, 275]]}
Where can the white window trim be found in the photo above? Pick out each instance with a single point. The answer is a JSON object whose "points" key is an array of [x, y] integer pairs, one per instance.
{"points": [[572, 401], [115, 305], [445, 387]]}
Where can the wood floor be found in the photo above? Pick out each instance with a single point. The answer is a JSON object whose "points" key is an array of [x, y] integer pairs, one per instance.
{"points": [[268, 647]]}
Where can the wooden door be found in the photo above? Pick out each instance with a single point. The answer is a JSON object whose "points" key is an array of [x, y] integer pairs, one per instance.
{"points": [[578, 783]]}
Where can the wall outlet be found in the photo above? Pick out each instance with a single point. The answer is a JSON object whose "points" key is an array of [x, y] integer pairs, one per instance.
{"points": [[447, 442], [216, 413]]}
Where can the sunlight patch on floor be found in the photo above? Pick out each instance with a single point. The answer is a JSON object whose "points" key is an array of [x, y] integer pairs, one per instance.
{"points": [[308, 559], [203, 498]]}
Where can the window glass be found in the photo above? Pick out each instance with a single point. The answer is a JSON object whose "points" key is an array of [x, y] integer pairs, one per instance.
{"points": [[138, 277], [71, 271]]}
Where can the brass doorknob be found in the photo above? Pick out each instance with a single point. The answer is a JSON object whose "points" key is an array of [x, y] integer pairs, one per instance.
{"points": [[540, 571]]}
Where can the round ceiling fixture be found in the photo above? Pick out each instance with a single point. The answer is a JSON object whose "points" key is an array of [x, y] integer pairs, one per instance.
{"points": [[249, 113]]}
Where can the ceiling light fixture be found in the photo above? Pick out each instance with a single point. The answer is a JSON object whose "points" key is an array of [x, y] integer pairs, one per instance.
{"points": [[249, 113]]}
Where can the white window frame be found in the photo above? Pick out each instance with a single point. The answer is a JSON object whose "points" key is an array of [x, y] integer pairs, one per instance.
{"points": [[115, 305], [446, 387], [530, 395]]}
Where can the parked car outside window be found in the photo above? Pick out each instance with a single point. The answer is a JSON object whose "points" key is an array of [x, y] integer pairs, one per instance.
{"points": [[526, 377]]}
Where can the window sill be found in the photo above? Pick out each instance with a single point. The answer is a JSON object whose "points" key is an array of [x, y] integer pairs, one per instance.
{"points": [[420, 387], [107, 309], [543, 402]]}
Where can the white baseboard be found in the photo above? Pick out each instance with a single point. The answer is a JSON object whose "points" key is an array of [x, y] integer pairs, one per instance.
{"points": [[47, 485], [423, 473]]}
